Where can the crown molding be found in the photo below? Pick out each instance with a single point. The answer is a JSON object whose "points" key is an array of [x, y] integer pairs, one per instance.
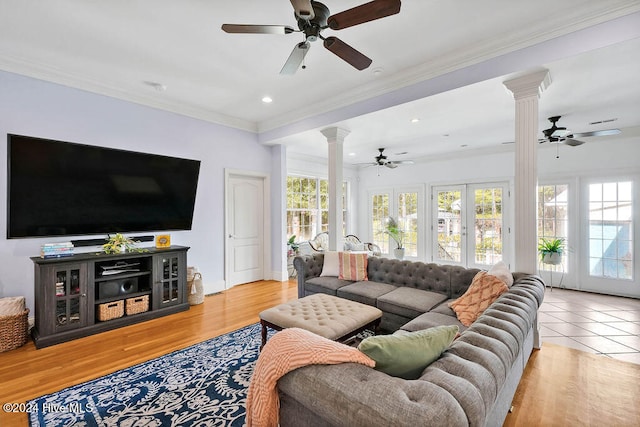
{"points": [[57, 76]]}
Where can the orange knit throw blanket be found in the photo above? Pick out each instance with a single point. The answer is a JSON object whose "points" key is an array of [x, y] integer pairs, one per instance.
{"points": [[287, 350]]}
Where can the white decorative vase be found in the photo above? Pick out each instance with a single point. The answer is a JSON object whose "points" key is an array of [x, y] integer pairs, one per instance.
{"points": [[399, 253], [552, 258]]}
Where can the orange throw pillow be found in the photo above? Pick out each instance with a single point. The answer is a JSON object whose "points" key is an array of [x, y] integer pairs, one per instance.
{"points": [[484, 290], [352, 266]]}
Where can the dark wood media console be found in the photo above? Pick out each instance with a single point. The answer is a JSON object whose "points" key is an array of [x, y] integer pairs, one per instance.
{"points": [[88, 293]]}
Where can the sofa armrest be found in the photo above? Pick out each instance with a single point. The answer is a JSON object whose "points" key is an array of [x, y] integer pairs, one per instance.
{"points": [[307, 266]]}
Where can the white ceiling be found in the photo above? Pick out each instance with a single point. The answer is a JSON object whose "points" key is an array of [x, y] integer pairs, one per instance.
{"points": [[441, 61]]}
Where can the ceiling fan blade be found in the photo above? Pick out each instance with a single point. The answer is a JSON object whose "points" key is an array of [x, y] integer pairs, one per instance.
{"points": [[371, 11], [403, 162], [391, 165], [295, 58], [572, 142], [303, 9], [256, 29], [605, 132], [347, 53]]}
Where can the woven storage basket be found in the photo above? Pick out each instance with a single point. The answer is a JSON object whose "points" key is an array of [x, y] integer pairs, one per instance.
{"points": [[110, 310], [137, 305], [195, 290], [14, 330]]}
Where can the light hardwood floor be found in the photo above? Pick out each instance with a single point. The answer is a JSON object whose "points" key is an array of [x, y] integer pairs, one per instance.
{"points": [[26, 373], [561, 386]]}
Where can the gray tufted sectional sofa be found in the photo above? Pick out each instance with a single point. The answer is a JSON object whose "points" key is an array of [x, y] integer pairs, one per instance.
{"points": [[472, 383]]}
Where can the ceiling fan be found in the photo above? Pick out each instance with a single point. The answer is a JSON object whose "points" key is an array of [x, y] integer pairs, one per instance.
{"points": [[313, 17], [382, 160], [560, 135]]}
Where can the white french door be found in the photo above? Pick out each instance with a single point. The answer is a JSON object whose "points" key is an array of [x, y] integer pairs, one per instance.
{"points": [[469, 224], [406, 206], [609, 236]]}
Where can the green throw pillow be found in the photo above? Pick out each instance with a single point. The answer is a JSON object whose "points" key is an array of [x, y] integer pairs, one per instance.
{"points": [[406, 355]]}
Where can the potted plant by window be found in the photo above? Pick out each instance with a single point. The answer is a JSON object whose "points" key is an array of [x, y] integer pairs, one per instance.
{"points": [[551, 250], [392, 229], [292, 246]]}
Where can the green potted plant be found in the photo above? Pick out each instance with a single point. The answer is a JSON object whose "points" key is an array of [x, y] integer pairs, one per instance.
{"points": [[392, 229], [118, 243], [551, 250], [292, 246]]}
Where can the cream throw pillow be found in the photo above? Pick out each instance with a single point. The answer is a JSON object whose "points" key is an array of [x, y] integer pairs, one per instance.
{"points": [[501, 271], [331, 266]]}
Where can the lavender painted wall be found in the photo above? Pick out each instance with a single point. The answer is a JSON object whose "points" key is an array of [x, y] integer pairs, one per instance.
{"points": [[37, 108]]}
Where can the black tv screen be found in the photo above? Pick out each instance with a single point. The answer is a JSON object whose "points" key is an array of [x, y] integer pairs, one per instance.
{"points": [[60, 188]]}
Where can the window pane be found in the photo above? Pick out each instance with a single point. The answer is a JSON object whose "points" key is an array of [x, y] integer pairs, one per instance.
{"points": [[305, 219], [553, 219], [407, 217], [610, 230], [488, 225], [379, 215], [449, 226]]}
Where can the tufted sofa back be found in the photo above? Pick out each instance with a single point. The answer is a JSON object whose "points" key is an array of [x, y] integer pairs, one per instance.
{"points": [[446, 279]]}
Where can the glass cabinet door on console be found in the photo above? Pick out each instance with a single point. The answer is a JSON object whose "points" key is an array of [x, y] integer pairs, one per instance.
{"points": [[66, 289], [169, 282]]}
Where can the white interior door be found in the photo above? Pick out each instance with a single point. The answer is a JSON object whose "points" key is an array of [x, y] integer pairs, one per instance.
{"points": [[245, 229]]}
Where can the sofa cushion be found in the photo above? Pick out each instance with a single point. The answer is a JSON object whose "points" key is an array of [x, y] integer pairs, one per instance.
{"points": [[406, 355], [364, 292], [331, 265], [409, 302], [352, 266], [443, 308], [431, 319], [325, 285], [484, 290]]}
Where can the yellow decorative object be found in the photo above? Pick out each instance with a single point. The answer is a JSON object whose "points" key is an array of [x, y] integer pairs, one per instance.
{"points": [[163, 241]]}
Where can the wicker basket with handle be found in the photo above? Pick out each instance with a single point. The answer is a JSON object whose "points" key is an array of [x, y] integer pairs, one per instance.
{"points": [[195, 290], [111, 310]]}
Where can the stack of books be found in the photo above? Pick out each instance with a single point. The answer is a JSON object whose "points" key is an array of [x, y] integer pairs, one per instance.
{"points": [[56, 250]]}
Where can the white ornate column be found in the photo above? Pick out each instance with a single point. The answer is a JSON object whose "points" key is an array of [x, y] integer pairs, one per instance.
{"points": [[335, 137], [526, 91]]}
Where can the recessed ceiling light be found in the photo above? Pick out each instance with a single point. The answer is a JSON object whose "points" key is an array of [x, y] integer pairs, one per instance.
{"points": [[267, 100], [352, 154], [415, 120], [377, 72]]}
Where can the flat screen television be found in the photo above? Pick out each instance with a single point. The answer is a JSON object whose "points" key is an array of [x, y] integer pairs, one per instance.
{"points": [[60, 188]]}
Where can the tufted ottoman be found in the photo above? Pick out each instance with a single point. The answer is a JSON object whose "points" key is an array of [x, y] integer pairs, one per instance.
{"points": [[331, 317]]}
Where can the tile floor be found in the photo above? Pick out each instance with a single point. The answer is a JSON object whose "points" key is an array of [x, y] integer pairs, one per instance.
{"points": [[595, 323]]}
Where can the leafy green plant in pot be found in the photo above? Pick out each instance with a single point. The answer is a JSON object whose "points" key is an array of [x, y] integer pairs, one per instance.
{"points": [[292, 246], [392, 229], [551, 250], [118, 243]]}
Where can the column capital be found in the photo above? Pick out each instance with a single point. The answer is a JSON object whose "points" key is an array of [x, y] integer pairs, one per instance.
{"points": [[527, 85], [335, 133]]}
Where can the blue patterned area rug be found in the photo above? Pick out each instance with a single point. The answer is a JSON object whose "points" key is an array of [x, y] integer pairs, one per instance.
{"points": [[204, 385]]}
